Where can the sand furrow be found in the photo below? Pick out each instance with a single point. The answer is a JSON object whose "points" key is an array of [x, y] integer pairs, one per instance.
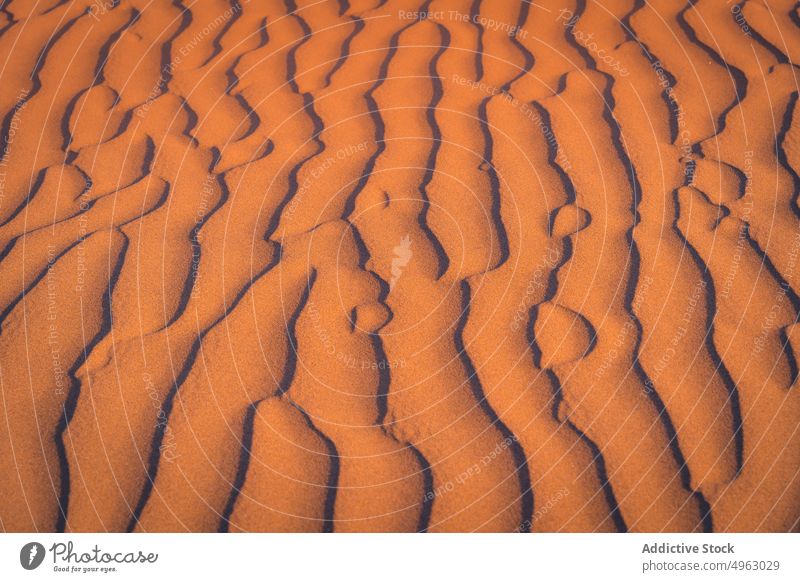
{"points": [[381, 265], [668, 273], [515, 383], [337, 381], [628, 402], [35, 413]]}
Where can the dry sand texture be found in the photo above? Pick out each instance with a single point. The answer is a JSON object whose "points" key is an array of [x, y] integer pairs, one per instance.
{"points": [[377, 265]]}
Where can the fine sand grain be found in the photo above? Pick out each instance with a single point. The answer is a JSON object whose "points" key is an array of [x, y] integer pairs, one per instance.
{"points": [[377, 265]]}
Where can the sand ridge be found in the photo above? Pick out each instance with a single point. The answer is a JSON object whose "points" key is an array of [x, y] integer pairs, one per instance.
{"points": [[377, 265]]}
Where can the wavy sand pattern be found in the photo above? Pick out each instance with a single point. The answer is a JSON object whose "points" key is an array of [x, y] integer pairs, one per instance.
{"points": [[378, 265]]}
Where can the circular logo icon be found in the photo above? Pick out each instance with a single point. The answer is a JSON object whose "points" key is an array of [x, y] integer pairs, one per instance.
{"points": [[31, 555]]}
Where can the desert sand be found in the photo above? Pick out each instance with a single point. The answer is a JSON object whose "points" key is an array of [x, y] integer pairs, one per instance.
{"points": [[378, 265]]}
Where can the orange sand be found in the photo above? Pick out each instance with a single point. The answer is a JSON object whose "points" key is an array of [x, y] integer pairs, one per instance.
{"points": [[339, 266]]}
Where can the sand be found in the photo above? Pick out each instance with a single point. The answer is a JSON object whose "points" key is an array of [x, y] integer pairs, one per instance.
{"points": [[377, 265]]}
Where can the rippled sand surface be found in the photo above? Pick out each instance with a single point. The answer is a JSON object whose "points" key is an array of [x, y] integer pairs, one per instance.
{"points": [[377, 265]]}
